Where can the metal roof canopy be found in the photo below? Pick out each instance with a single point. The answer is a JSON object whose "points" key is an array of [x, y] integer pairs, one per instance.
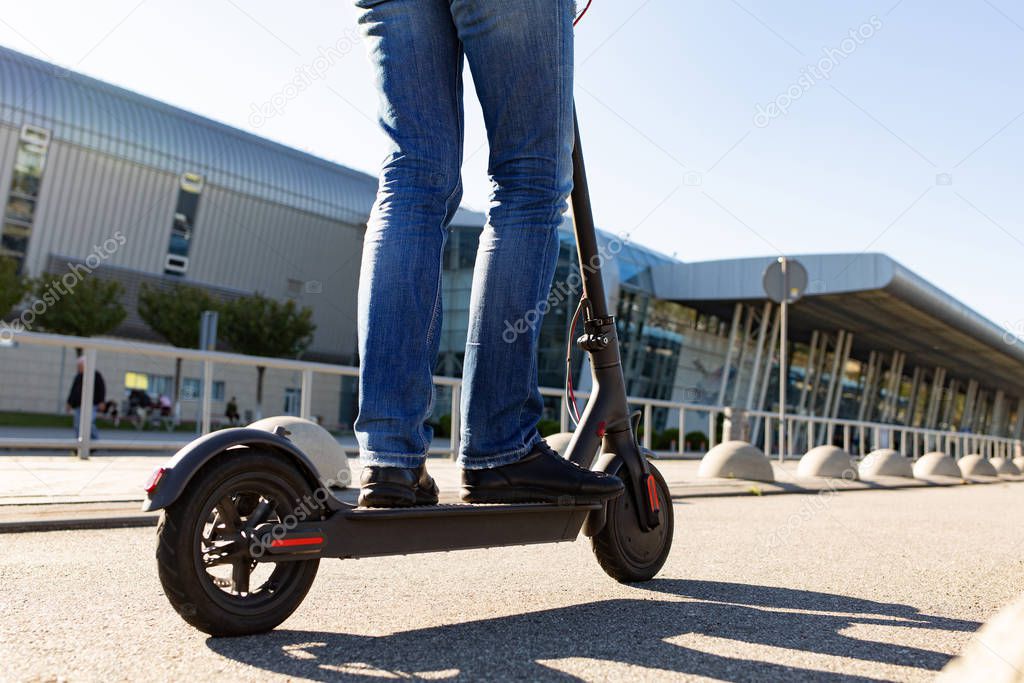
{"points": [[96, 115], [885, 305]]}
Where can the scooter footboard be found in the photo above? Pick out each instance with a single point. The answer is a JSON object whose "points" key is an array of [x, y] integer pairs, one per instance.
{"points": [[371, 532]]}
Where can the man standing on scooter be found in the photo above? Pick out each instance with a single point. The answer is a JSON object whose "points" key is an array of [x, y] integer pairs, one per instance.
{"points": [[521, 56]]}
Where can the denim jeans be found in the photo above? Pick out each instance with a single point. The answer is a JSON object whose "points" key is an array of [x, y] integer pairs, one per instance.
{"points": [[520, 53], [76, 420]]}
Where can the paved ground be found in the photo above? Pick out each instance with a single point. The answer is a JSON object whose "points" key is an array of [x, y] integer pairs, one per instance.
{"points": [[856, 586]]}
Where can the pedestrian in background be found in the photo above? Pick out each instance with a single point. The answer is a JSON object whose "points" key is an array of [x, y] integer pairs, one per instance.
{"points": [[99, 397], [231, 412]]}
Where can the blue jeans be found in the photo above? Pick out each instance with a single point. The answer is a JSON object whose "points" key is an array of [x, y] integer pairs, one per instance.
{"points": [[76, 420], [520, 53]]}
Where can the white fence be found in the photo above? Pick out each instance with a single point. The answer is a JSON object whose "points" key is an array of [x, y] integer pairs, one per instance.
{"points": [[858, 438], [803, 432]]}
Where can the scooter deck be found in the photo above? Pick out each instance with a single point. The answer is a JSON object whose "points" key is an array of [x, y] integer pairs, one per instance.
{"points": [[371, 532]]}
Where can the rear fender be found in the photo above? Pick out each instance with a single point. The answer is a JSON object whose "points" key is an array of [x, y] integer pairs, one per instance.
{"points": [[180, 469]]}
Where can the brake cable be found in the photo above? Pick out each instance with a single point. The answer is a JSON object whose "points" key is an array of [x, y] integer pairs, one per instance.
{"points": [[574, 413], [580, 13]]}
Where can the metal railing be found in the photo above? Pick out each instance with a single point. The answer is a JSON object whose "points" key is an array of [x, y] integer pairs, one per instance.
{"points": [[858, 438], [806, 431], [682, 410], [84, 444]]}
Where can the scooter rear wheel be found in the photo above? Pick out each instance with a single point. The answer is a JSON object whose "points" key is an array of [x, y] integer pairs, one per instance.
{"points": [[627, 553], [207, 562]]}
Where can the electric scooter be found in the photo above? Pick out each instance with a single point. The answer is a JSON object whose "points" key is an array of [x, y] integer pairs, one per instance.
{"points": [[248, 514]]}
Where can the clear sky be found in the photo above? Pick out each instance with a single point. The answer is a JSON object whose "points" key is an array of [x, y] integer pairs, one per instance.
{"points": [[906, 139]]}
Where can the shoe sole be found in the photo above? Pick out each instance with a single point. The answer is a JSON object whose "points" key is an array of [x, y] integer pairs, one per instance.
{"points": [[392, 496], [528, 495]]}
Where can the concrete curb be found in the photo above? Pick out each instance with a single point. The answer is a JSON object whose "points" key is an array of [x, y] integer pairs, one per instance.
{"points": [[61, 516], [65, 524]]}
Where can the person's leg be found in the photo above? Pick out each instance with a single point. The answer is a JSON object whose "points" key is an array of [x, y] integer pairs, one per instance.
{"points": [[520, 52], [418, 61], [521, 56], [94, 433]]}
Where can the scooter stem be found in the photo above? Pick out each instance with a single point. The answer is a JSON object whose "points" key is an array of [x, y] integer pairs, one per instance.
{"points": [[606, 422], [586, 235]]}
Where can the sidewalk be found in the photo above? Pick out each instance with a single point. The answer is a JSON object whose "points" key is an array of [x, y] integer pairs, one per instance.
{"points": [[39, 492]]}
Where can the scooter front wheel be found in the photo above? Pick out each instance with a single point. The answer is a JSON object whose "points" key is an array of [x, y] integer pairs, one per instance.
{"points": [[209, 565], [624, 550]]}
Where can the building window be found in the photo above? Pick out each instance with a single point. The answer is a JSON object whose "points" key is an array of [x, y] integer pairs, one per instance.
{"points": [[20, 210], [192, 389], [154, 385], [292, 401], [190, 186]]}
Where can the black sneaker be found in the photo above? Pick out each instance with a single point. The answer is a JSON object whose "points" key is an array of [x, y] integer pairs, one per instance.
{"points": [[396, 487], [542, 476]]}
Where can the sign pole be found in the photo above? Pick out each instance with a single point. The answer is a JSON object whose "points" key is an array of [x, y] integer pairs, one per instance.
{"points": [[785, 281], [783, 374]]}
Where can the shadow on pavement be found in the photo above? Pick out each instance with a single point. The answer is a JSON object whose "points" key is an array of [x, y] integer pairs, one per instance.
{"points": [[627, 631]]}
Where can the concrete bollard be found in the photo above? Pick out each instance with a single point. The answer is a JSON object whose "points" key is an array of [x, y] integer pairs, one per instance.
{"points": [[885, 462], [936, 464], [827, 461], [995, 654], [976, 466], [1005, 467], [736, 460], [559, 442]]}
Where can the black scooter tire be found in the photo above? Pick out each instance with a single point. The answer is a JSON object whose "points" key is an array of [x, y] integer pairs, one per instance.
{"points": [[624, 551], [181, 574]]}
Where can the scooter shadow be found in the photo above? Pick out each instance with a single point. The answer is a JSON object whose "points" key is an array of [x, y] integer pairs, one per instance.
{"points": [[626, 631]]}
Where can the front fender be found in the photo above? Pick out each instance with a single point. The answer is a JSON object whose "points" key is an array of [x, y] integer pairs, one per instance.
{"points": [[179, 470], [610, 463]]}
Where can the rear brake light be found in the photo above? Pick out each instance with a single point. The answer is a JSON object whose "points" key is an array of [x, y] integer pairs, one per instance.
{"points": [[290, 542], [154, 479]]}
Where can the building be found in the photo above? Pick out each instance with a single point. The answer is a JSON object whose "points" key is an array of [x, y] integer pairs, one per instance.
{"points": [[143, 192], [872, 342]]}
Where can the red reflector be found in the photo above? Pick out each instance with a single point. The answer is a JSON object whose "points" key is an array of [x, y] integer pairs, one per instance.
{"points": [[154, 479], [601, 428], [289, 542], [652, 494]]}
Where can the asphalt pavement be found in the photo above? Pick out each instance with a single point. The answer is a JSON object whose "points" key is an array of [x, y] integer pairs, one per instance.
{"points": [[835, 587]]}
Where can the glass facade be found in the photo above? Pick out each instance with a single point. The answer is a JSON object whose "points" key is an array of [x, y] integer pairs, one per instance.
{"points": [[649, 330], [26, 180]]}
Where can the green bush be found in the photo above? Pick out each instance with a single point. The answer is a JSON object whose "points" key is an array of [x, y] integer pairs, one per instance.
{"points": [[549, 427], [442, 426], [665, 440], [696, 440]]}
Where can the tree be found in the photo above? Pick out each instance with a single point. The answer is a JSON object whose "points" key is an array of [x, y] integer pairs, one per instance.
{"points": [[260, 326], [78, 305], [175, 313], [13, 286]]}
